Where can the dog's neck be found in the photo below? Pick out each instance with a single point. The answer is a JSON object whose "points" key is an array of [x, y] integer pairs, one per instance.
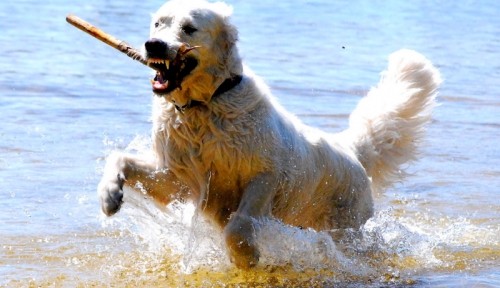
{"points": [[227, 85]]}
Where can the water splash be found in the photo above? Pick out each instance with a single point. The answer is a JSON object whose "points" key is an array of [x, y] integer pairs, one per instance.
{"points": [[282, 245], [397, 245]]}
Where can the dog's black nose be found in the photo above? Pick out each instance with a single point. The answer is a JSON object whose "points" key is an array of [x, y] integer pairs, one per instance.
{"points": [[156, 48]]}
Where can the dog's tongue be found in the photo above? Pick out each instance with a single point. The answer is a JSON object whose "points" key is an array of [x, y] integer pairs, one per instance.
{"points": [[158, 83]]}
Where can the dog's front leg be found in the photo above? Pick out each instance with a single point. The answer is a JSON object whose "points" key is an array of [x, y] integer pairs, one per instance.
{"points": [[239, 233], [126, 169]]}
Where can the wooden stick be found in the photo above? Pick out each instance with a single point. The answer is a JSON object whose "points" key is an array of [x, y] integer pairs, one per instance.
{"points": [[106, 38]]}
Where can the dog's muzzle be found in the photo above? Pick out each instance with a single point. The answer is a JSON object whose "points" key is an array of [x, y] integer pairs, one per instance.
{"points": [[172, 64]]}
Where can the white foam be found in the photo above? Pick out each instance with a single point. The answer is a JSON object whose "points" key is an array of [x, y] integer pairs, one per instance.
{"points": [[281, 244], [179, 230]]}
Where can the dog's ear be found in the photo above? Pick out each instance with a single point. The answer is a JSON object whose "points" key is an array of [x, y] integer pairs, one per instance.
{"points": [[228, 33], [225, 43], [227, 37]]}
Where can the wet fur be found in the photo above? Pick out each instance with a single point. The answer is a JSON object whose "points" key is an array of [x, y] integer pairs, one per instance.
{"points": [[241, 156]]}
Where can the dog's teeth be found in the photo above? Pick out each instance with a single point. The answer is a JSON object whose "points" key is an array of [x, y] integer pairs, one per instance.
{"points": [[167, 64]]}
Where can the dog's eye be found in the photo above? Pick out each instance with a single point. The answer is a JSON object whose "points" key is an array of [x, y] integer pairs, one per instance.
{"points": [[157, 24], [188, 29]]}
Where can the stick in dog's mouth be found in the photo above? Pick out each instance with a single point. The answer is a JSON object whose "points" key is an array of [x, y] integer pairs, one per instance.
{"points": [[170, 73], [116, 43]]}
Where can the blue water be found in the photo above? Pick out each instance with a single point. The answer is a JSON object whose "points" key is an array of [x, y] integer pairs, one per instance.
{"points": [[67, 100]]}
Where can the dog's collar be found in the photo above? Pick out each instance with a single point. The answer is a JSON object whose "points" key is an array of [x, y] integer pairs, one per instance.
{"points": [[227, 85]]}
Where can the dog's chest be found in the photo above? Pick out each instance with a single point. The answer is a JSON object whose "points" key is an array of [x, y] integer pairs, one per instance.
{"points": [[220, 147]]}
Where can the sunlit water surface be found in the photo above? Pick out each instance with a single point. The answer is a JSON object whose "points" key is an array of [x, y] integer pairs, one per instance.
{"points": [[67, 101]]}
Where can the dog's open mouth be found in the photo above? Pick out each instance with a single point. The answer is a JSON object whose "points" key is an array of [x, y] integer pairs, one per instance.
{"points": [[171, 72]]}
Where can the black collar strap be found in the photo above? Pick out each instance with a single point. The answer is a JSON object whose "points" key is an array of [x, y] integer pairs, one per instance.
{"points": [[227, 85]]}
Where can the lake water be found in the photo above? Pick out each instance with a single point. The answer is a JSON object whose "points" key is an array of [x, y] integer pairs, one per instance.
{"points": [[67, 100]]}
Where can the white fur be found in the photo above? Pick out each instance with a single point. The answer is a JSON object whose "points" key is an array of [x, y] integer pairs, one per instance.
{"points": [[388, 124], [241, 156]]}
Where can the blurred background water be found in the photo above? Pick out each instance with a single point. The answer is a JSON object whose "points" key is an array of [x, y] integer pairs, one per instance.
{"points": [[67, 100]]}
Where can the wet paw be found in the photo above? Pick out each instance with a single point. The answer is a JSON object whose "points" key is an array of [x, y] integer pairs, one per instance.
{"points": [[239, 236], [242, 253], [110, 188], [111, 194]]}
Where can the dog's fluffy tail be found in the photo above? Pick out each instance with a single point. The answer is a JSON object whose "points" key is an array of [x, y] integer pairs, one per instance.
{"points": [[388, 124]]}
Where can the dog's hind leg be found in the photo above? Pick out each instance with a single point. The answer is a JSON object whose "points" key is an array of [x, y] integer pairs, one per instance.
{"points": [[239, 233]]}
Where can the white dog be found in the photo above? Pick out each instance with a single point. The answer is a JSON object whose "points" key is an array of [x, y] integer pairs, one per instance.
{"points": [[222, 141]]}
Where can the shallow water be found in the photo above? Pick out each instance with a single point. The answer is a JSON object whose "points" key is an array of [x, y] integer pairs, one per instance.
{"points": [[67, 101]]}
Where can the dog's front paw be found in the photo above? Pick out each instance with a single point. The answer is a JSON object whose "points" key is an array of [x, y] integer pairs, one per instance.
{"points": [[239, 236], [111, 194], [110, 189]]}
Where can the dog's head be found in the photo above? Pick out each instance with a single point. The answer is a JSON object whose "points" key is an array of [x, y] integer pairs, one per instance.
{"points": [[192, 44]]}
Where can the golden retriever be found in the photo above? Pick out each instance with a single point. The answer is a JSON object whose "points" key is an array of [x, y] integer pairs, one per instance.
{"points": [[221, 140]]}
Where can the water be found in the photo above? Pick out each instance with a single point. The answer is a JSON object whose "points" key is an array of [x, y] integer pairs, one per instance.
{"points": [[67, 101]]}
